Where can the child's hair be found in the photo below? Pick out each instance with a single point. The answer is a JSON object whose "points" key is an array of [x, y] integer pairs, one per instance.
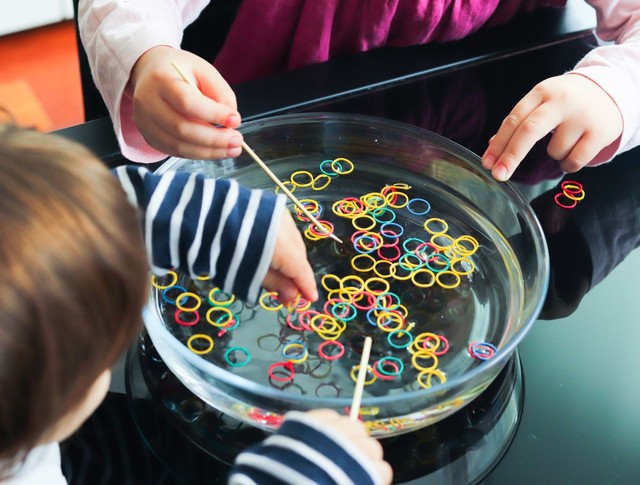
{"points": [[73, 281]]}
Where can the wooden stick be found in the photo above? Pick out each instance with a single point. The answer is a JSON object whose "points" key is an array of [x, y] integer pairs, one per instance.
{"points": [[362, 375], [268, 171]]}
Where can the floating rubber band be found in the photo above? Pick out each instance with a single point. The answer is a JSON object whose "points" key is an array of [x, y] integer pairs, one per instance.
{"points": [[424, 377], [316, 185], [297, 357], [394, 362], [399, 334], [305, 175], [415, 275], [369, 282], [462, 262], [389, 248], [481, 350], [200, 336], [237, 349], [174, 280], [185, 323], [213, 300], [273, 297], [386, 318], [325, 171], [441, 339], [279, 367], [419, 202], [382, 263], [395, 275], [424, 355], [446, 274], [184, 297], [337, 166], [325, 224], [361, 245], [394, 202], [385, 230], [461, 249], [216, 322], [352, 289], [324, 281], [437, 263], [378, 215], [354, 374], [291, 187], [409, 241], [178, 288], [330, 343], [373, 200], [363, 257], [363, 217], [441, 225], [442, 241]]}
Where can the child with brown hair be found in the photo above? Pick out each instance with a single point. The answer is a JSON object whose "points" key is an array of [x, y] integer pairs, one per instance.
{"points": [[75, 280]]}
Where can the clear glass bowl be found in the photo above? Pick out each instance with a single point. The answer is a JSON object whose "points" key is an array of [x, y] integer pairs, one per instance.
{"points": [[496, 302]]}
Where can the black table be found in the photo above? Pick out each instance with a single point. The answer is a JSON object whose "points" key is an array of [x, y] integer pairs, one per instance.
{"points": [[577, 419]]}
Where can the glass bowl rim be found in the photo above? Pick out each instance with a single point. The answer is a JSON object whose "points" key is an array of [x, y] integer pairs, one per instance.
{"points": [[248, 386]]}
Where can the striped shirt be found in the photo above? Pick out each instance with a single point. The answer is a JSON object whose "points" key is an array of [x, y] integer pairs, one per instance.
{"points": [[302, 452], [206, 226]]}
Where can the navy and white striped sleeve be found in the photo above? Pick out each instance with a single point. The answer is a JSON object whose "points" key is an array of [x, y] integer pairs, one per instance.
{"points": [[206, 226], [302, 452]]}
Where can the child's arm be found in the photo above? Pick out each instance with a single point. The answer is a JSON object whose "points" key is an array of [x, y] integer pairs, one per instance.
{"points": [[115, 34], [593, 111], [243, 239], [319, 447]]}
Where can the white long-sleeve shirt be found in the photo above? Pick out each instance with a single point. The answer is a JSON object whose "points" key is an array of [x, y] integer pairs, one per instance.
{"points": [[115, 33]]}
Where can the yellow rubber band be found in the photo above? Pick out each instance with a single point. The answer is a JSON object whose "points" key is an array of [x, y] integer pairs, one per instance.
{"points": [[444, 227], [221, 309], [188, 294], [354, 375], [424, 354], [314, 184], [366, 217], [366, 257], [324, 281], [426, 383], [174, 280], [339, 162], [301, 173], [274, 296], [385, 284], [456, 278], [203, 337], [416, 273]]}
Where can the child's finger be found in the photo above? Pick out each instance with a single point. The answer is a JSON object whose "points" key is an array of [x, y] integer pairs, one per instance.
{"points": [[508, 127], [532, 129]]}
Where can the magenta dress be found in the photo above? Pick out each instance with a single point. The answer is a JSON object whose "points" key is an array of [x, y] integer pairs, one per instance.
{"points": [[270, 36]]}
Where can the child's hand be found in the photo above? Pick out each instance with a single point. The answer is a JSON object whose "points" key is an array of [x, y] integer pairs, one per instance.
{"points": [[581, 114], [356, 433], [290, 273], [181, 119]]}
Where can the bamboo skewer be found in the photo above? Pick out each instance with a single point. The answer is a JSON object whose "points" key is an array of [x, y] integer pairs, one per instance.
{"points": [[268, 171], [362, 375]]}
